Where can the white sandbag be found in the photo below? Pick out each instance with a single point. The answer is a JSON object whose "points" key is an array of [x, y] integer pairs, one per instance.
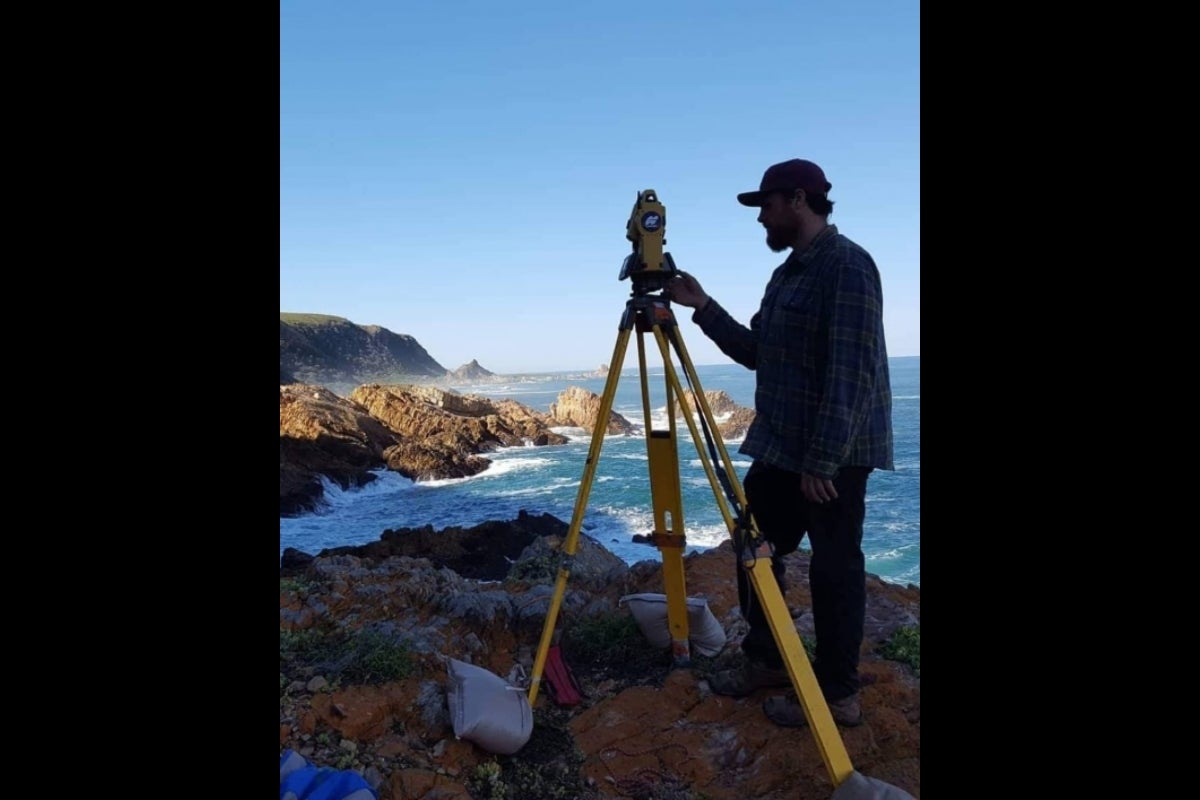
{"points": [[487, 710], [860, 787], [650, 612]]}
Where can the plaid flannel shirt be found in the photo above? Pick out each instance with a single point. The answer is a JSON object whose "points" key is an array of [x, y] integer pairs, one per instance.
{"points": [[823, 398]]}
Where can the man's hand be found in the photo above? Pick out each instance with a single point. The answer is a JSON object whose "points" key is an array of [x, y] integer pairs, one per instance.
{"points": [[685, 290], [817, 490]]}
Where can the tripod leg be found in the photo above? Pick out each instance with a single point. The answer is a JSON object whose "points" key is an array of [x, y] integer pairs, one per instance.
{"points": [[804, 680], [674, 385], [667, 501], [589, 473], [702, 404], [754, 555]]}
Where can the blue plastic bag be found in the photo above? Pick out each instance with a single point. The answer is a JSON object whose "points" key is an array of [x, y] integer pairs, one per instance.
{"points": [[299, 780]]}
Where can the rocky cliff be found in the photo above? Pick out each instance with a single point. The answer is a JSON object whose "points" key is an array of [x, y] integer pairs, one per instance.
{"points": [[365, 634]]}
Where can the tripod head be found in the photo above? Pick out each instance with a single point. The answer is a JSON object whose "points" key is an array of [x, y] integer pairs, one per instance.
{"points": [[648, 267]]}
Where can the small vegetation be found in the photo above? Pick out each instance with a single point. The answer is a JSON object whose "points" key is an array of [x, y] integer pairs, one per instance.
{"points": [[612, 647], [904, 646], [593, 638], [300, 586], [380, 658], [542, 569], [612, 640], [486, 782], [546, 768], [361, 657], [311, 319], [306, 648], [810, 646]]}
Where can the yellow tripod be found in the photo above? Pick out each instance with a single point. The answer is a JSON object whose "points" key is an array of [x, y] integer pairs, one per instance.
{"points": [[649, 268]]}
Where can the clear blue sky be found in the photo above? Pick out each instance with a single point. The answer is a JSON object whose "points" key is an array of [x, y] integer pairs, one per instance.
{"points": [[463, 171]]}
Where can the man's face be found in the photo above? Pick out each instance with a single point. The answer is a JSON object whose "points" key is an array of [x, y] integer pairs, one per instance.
{"points": [[777, 216]]}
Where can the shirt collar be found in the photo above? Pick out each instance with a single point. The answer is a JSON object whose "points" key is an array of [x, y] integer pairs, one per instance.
{"points": [[801, 258]]}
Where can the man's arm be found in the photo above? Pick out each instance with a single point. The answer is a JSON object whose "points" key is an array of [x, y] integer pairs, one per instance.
{"points": [[732, 337]]}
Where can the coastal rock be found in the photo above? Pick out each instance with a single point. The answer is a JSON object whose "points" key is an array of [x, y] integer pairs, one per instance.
{"points": [[579, 408], [719, 401], [736, 424], [420, 432], [435, 415], [448, 400], [432, 461], [732, 420], [323, 434], [484, 552], [646, 727]]}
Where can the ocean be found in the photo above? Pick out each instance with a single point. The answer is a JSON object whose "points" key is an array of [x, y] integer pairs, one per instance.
{"points": [[547, 479]]}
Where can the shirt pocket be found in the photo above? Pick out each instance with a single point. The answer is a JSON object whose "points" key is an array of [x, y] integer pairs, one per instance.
{"points": [[802, 297], [798, 320], [799, 312]]}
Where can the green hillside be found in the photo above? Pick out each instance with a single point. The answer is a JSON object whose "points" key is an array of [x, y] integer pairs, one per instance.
{"points": [[326, 349]]}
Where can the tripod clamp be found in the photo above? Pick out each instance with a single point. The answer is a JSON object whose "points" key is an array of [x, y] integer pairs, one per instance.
{"points": [[748, 543]]}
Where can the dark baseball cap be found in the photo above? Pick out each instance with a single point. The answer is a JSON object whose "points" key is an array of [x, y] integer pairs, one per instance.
{"points": [[788, 176]]}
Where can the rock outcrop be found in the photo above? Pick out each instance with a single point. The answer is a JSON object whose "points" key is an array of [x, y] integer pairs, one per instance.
{"points": [[736, 424], [645, 728], [719, 401], [421, 432], [434, 415], [577, 407], [732, 419], [323, 434]]}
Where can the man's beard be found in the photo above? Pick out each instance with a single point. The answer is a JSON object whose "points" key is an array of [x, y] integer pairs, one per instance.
{"points": [[780, 239]]}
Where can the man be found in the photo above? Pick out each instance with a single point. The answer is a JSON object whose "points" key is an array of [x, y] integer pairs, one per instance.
{"points": [[823, 422]]}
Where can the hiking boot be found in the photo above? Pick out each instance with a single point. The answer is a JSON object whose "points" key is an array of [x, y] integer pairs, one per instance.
{"points": [[748, 678], [785, 710]]}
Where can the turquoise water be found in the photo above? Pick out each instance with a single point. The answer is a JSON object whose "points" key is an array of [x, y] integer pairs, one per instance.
{"points": [[548, 479]]}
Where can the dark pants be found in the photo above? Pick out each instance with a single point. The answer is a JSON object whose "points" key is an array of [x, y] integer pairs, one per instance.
{"points": [[837, 577]]}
